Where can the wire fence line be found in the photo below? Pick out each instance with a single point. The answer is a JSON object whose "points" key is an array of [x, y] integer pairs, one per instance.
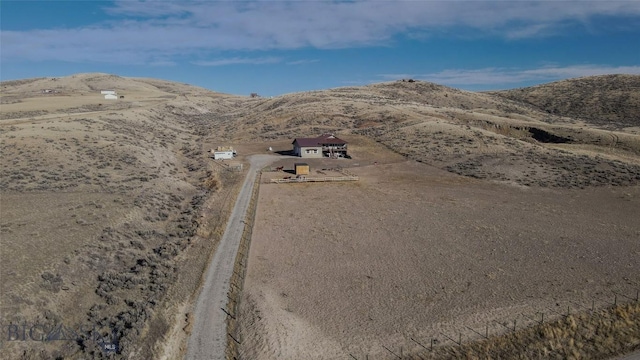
{"points": [[316, 179], [239, 272], [421, 347]]}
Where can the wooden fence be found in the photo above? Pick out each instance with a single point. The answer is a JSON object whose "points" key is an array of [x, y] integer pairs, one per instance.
{"points": [[316, 179]]}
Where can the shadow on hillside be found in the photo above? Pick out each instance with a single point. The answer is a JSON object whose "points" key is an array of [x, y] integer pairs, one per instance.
{"points": [[547, 137]]}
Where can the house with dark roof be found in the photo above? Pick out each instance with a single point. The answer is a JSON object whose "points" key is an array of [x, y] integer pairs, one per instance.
{"points": [[325, 145]]}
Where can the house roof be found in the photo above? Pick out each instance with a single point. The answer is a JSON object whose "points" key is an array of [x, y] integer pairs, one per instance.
{"points": [[307, 142], [328, 139]]}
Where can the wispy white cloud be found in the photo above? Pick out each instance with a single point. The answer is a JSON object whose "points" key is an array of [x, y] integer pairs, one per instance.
{"points": [[505, 76], [160, 62], [533, 30], [238, 61], [301, 62], [582, 70], [146, 31]]}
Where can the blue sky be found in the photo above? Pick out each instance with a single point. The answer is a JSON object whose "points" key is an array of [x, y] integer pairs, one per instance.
{"points": [[277, 47]]}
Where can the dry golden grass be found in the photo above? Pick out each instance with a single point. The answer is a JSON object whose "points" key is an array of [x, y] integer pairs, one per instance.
{"points": [[607, 101], [101, 208], [213, 182], [588, 335], [134, 262]]}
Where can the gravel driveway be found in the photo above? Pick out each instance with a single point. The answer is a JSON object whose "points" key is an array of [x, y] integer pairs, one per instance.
{"points": [[208, 338]]}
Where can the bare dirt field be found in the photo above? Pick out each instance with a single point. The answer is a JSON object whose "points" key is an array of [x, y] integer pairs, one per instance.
{"points": [[411, 251]]}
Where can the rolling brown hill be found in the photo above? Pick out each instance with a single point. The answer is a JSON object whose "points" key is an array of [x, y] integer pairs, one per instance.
{"points": [[92, 82], [609, 101], [473, 134], [118, 206], [350, 108], [105, 198]]}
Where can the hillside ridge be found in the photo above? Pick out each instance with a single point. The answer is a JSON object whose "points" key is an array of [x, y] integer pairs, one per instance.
{"points": [[611, 101]]}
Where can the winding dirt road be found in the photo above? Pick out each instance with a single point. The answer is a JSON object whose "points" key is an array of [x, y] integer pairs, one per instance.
{"points": [[208, 339]]}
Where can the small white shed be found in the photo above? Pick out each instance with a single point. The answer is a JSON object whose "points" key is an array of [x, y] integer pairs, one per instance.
{"points": [[111, 97], [219, 155], [107, 92]]}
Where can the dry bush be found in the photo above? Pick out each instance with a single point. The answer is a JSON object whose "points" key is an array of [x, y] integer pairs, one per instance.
{"points": [[213, 182], [601, 334]]}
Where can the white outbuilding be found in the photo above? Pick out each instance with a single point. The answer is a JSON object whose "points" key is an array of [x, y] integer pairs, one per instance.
{"points": [[220, 155], [223, 152], [107, 92], [111, 97]]}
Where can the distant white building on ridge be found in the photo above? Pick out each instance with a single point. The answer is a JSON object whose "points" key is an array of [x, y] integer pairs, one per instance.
{"points": [[109, 94]]}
